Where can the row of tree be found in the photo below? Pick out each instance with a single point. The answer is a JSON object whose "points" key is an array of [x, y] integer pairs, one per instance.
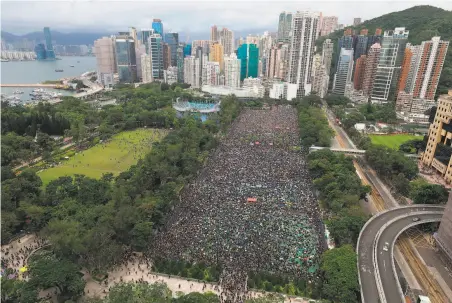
{"points": [[199, 271]]}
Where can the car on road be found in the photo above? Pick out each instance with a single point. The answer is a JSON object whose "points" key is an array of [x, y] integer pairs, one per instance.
{"points": [[416, 219], [386, 246]]}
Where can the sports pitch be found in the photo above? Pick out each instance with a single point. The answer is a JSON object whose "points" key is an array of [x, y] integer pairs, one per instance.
{"points": [[115, 156], [392, 141]]}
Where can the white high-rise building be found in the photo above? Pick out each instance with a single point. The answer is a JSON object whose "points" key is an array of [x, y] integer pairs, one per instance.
{"points": [[231, 71], [227, 40], [302, 45], [104, 48], [146, 68], [344, 71], [321, 69], [212, 69], [284, 26], [329, 25], [170, 75], [189, 70]]}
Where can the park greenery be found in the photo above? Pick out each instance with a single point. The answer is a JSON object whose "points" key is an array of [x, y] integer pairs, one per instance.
{"points": [[198, 271], [418, 20]]}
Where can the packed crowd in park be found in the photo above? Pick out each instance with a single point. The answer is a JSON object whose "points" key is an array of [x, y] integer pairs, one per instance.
{"points": [[252, 207]]}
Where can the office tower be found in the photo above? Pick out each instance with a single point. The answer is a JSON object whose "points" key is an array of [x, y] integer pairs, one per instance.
{"points": [[157, 26], [216, 54], [232, 71], [126, 58], [166, 56], [346, 41], [356, 21], [370, 68], [360, 46], [173, 41], [187, 50], [389, 64], [189, 70], [227, 40], [444, 235], [249, 57], [344, 71], [155, 43], [302, 51], [440, 132], [180, 63], [140, 50], [50, 54], [40, 51], [214, 34], [145, 34], [212, 73], [133, 34], [284, 27], [328, 25], [146, 68], [432, 55], [105, 59], [199, 64], [170, 75], [360, 68]]}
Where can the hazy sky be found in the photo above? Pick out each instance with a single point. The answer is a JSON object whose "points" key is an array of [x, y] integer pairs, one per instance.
{"points": [[20, 17]]}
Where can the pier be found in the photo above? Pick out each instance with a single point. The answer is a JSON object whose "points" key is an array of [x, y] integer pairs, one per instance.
{"points": [[31, 85]]}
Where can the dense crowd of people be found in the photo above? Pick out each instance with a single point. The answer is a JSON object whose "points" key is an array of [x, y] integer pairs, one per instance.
{"points": [[252, 207]]}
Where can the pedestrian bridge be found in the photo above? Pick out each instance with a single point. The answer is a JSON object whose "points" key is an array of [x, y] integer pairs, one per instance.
{"points": [[351, 151]]}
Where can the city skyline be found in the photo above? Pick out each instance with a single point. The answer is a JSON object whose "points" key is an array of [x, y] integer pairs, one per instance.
{"points": [[85, 16]]}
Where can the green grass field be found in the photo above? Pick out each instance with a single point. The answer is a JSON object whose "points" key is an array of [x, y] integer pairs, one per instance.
{"points": [[392, 141], [114, 156]]}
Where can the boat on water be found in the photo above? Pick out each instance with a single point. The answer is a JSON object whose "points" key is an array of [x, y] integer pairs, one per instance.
{"points": [[18, 92], [38, 90], [59, 70]]}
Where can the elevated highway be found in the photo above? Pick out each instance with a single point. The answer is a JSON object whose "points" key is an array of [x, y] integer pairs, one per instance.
{"points": [[378, 279]]}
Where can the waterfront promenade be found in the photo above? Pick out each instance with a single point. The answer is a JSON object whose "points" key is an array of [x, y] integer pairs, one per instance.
{"points": [[30, 85]]}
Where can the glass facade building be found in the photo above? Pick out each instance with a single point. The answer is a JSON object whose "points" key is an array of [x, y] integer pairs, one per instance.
{"points": [[249, 60], [50, 53], [40, 51], [145, 34], [173, 41], [155, 42], [180, 64], [126, 59], [157, 26], [187, 50]]}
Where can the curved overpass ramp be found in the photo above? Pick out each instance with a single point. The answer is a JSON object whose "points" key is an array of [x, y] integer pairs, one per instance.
{"points": [[368, 270]]}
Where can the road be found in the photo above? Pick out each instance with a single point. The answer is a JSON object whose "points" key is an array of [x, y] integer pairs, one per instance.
{"points": [[385, 259], [365, 249]]}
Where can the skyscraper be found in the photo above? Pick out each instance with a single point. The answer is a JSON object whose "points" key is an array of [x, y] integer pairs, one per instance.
{"points": [[204, 44], [374, 39], [344, 71], [214, 34], [407, 71], [187, 50], [180, 63], [146, 68], [106, 62], [212, 73], [432, 55], [302, 51], [133, 34], [356, 21], [360, 67], [216, 54], [346, 41], [157, 26], [389, 64], [371, 67], [166, 55], [329, 25], [50, 54], [227, 40], [189, 70], [249, 57], [173, 41], [155, 43], [361, 46], [145, 33], [126, 58], [284, 26], [231, 71]]}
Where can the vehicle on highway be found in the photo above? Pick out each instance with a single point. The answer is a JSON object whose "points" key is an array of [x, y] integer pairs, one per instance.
{"points": [[415, 219], [386, 246]]}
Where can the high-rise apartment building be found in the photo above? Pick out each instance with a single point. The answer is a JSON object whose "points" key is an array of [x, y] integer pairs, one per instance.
{"points": [[265, 44], [214, 34], [360, 46], [371, 40], [170, 75], [104, 49], [155, 43], [440, 133], [304, 33], [356, 21], [146, 68], [157, 26], [409, 68], [232, 71], [432, 55], [327, 54], [133, 34], [444, 235], [344, 71], [282, 62], [328, 25], [189, 70], [200, 60], [346, 41], [140, 50], [317, 73], [249, 56], [217, 54], [284, 27], [212, 73], [389, 64], [250, 39], [126, 58], [145, 34], [227, 40], [173, 42], [204, 44], [166, 55], [180, 63], [321, 69], [360, 68], [370, 69]]}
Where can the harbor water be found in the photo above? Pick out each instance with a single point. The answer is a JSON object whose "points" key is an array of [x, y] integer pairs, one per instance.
{"points": [[33, 72]]}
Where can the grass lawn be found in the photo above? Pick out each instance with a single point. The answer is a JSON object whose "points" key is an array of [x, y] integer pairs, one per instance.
{"points": [[392, 141], [114, 156]]}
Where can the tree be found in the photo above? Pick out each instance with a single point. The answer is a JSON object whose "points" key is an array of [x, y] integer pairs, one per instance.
{"points": [[401, 184], [413, 146], [345, 228], [14, 290], [333, 100], [272, 298], [141, 235], [196, 297], [340, 274], [139, 293], [48, 271], [425, 193]]}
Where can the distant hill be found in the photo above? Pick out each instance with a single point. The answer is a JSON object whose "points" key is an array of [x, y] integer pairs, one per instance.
{"points": [[423, 22], [58, 37]]}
